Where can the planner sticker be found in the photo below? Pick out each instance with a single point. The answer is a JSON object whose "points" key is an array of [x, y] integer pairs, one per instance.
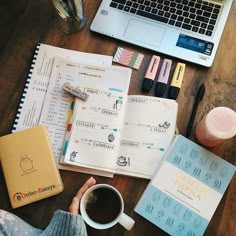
{"points": [[128, 58]]}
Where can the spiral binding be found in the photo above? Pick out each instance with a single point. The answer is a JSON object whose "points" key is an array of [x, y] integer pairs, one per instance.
{"points": [[25, 90]]}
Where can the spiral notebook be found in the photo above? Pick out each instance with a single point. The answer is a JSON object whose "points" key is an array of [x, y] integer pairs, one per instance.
{"points": [[34, 92]]}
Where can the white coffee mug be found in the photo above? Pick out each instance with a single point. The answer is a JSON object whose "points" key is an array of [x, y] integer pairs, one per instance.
{"points": [[121, 217]]}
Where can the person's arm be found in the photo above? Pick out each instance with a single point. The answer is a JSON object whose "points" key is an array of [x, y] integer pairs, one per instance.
{"points": [[62, 224], [69, 223]]}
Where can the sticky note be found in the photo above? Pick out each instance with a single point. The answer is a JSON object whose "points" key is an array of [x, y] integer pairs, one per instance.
{"points": [[128, 58]]}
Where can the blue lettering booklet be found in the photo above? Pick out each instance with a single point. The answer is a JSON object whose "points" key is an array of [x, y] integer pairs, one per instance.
{"points": [[186, 189]]}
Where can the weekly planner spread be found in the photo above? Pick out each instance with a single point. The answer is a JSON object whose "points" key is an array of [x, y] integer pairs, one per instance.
{"points": [[120, 134]]}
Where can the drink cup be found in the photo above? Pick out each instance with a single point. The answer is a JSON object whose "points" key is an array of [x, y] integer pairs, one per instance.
{"points": [[102, 207], [217, 126]]}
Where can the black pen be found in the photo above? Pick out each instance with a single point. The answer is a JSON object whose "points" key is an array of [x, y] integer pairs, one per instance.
{"points": [[200, 94]]}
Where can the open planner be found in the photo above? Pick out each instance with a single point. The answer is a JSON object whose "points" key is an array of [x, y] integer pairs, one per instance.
{"points": [[120, 134], [100, 120], [117, 133]]}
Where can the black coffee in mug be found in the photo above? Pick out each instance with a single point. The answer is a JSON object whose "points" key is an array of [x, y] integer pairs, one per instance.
{"points": [[103, 205]]}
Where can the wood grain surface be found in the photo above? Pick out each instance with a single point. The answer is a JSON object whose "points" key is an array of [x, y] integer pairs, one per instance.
{"points": [[23, 23]]}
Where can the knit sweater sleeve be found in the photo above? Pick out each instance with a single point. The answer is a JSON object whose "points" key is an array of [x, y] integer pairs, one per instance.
{"points": [[64, 223]]}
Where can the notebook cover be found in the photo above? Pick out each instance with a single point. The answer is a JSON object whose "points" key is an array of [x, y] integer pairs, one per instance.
{"points": [[29, 166], [186, 189]]}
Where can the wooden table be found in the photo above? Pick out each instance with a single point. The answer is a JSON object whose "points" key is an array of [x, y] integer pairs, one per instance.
{"points": [[24, 23]]}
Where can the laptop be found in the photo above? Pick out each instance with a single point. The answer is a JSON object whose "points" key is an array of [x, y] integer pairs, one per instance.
{"points": [[186, 29]]}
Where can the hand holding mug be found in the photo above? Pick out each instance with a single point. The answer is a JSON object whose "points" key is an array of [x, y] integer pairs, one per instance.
{"points": [[74, 206]]}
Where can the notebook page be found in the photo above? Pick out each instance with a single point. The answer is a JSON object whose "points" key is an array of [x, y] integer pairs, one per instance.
{"points": [[95, 135], [148, 129], [88, 78]]}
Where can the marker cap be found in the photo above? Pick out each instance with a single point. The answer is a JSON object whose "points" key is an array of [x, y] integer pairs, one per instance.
{"points": [[147, 84], [173, 92], [160, 89]]}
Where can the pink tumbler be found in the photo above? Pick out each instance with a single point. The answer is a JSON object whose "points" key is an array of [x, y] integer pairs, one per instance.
{"points": [[218, 125]]}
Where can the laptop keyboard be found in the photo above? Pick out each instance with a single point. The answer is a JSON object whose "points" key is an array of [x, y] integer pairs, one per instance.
{"points": [[192, 15]]}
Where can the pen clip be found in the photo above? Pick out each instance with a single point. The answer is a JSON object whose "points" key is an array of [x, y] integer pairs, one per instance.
{"points": [[201, 92]]}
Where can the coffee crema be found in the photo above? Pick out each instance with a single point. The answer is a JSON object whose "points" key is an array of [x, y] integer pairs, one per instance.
{"points": [[103, 205]]}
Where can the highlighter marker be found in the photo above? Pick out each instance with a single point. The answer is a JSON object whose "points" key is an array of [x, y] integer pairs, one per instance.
{"points": [[176, 81], [163, 78], [151, 73]]}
